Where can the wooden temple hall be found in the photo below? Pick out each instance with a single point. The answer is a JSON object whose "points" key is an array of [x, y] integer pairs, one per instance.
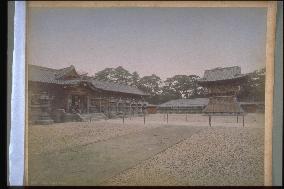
{"points": [[223, 84], [63, 95]]}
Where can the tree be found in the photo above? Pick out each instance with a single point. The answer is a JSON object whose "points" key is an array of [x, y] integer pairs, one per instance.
{"points": [[105, 74], [183, 86], [121, 75], [116, 75], [254, 88], [151, 84], [135, 79]]}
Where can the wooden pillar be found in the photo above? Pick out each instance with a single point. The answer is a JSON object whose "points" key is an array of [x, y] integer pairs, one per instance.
{"points": [[123, 117], [137, 108], [100, 104], [243, 120], [108, 107], [167, 117], [124, 110], [210, 120], [144, 117], [237, 118], [130, 111], [88, 103], [67, 103]]}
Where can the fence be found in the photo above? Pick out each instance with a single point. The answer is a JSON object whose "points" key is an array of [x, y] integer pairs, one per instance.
{"points": [[195, 119]]}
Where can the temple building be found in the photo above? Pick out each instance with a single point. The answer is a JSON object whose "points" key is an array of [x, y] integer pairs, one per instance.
{"points": [[194, 105], [59, 94], [223, 84]]}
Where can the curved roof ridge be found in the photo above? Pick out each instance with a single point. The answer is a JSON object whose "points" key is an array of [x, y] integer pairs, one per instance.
{"points": [[49, 75]]}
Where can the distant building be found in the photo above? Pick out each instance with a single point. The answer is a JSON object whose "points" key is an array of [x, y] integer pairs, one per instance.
{"points": [[151, 108], [195, 105], [223, 84], [252, 107], [51, 91]]}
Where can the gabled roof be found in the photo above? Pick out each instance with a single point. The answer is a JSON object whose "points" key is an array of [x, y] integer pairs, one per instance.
{"points": [[65, 72], [47, 75], [185, 102], [108, 86], [218, 74], [57, 76]]}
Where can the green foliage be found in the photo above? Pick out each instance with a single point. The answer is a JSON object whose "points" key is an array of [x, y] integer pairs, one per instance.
{"points": [[254, 88], [135, 79], [183, 86], [105, 75], [116, 75], [179, 86], [151, 84]]}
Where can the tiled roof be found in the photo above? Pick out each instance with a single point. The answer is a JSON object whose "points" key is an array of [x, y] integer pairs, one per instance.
{"points": [[218, 74], [49, 75], [185, 102], [108, 86], [46, 75], [62, 72]]}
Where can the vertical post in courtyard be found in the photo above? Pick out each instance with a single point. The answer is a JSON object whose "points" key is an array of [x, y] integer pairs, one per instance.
{"points": [[185, 116], [68, 103], [88, 104], [243, 121], [130, 111], [167, 117], [237, 118], [108, 108], [210, 120], [100, 103], [144, 117], [144, 112]]}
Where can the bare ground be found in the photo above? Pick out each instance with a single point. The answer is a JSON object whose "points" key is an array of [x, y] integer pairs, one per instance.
{"points": [[215, 156], [224, 154]]}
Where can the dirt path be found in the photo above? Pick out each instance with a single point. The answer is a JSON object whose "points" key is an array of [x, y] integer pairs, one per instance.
{"points": [[94, 163]]}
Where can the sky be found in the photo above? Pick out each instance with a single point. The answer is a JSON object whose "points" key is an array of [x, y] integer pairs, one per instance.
{"points": [[161, 41]]}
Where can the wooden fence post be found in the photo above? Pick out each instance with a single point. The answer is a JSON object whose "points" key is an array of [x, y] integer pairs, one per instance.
{"points": [[167, 117], [123, 118]]}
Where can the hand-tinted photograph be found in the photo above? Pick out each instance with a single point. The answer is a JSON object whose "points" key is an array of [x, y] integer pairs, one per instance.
{"points": [[141, 96]]}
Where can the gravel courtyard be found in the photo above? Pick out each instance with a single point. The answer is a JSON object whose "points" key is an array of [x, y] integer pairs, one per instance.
{"points": [[184, 151]]}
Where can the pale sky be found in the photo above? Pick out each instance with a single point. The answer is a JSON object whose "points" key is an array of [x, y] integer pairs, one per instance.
{"points": [[163, 41]]}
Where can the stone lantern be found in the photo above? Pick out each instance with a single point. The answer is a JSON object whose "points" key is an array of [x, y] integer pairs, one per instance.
{"points": [[44, 101]]}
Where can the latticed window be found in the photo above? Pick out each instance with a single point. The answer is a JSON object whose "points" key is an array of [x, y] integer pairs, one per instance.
{"points": [[93, 102], [39, 98]]}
